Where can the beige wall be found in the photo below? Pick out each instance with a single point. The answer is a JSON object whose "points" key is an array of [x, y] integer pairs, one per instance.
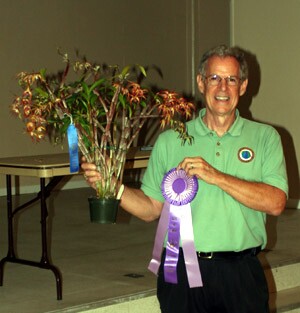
{"points": [[116, 32], [169, 34], [270, 30]]}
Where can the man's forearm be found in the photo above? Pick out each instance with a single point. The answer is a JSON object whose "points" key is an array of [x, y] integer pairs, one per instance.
{"points": [[135, 202], [255, 195]]}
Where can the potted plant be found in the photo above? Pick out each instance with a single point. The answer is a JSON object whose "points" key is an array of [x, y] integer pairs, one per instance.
{"points": [[103, 107]]}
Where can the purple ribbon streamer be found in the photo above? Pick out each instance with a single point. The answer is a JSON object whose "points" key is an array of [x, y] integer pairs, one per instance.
{"points": [[184, 220], [172, 249], [188, 247], [159, 239]]}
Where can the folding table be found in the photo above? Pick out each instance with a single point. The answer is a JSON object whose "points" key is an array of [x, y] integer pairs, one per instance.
{"points": [[53, 167]]}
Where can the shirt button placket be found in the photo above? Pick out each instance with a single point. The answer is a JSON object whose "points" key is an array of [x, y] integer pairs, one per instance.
{"points": [[219, 155]]}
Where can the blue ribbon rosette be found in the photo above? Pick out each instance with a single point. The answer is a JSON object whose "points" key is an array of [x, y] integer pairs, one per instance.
{"points": [[176, 219]]}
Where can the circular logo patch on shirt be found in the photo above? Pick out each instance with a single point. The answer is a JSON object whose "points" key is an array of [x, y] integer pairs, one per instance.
{"points": [[246, 154]]}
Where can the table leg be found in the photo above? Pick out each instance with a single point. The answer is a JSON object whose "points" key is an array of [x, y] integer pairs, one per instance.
{"points": [[11, 250], [45, 259], [11, 257]]}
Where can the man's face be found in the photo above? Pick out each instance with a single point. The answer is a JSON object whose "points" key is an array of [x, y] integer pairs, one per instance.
{"points": [[221, 98]]}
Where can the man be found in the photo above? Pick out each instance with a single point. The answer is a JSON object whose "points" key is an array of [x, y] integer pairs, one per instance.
{"points": [[241, 176]]}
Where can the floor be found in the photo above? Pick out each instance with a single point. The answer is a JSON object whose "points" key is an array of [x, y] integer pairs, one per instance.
{"points": [[98, 263]]}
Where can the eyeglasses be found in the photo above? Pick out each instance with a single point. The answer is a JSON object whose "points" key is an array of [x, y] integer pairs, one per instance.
{"points": [[215, 80]]}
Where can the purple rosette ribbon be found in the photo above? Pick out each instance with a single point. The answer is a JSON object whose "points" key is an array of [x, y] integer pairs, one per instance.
{"points": [[176, 218]]}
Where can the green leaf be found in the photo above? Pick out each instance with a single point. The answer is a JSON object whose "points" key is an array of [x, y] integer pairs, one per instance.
{"points": [[142, 69], [86, 89], [41, 92], [97, 83], [122, 99], [43, 72], [125, 71]]}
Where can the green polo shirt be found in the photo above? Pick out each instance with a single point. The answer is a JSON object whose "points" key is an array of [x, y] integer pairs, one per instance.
{"points": [[249, 150]]}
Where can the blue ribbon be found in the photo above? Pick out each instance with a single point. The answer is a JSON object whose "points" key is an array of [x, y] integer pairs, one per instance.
{"points": [[73, 148]]}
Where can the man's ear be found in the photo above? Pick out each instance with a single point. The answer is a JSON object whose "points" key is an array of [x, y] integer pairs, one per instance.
{"points": [[200, 83], [243, 87]]}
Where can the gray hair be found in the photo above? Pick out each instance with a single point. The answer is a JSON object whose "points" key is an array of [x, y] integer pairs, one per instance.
{"points": [[225, 51]]}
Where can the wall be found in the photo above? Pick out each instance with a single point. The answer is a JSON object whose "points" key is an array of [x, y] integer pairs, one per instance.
{"points": [[168, 34], [116, 32], [269, 29]]}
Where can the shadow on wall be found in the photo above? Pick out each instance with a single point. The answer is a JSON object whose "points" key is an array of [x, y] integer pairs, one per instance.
{"points": [[287, 140]]}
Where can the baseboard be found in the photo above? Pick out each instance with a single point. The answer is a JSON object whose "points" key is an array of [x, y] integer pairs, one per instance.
{"points": [[67, 183], [75, 184], [293, 204], [28, 189]]}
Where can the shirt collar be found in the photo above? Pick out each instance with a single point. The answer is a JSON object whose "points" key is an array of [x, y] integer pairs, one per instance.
{"points": [[234, 130]]}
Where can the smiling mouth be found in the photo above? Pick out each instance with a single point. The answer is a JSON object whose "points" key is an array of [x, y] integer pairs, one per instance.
{"points": [[222, 98]]}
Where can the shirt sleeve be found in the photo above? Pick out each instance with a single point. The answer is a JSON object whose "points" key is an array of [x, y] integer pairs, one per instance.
{"points": [[274, 167]]}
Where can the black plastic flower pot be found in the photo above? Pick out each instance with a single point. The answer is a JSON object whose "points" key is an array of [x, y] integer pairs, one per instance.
{"points": [[103, 211]]}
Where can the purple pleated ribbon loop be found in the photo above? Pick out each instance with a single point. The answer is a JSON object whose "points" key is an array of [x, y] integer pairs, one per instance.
{"points": [[176, 219]]}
